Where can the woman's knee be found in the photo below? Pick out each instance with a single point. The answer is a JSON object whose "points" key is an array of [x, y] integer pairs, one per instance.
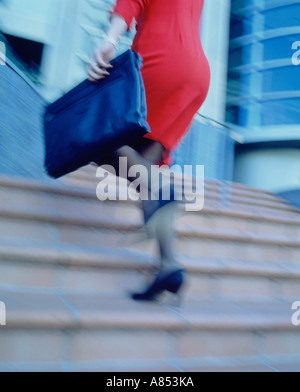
{"points": [[154, 153]]}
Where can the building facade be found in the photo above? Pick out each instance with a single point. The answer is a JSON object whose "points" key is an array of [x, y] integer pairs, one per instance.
{"points": [[264, 92]]}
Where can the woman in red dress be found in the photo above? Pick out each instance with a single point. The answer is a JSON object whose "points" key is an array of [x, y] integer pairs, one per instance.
{"points": [[176, 75]]}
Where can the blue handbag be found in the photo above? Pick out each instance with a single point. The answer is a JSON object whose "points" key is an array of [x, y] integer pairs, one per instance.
{"points": [[94, 119]]}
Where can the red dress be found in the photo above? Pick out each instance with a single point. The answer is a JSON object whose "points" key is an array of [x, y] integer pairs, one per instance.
{"points": [[176, 72]]}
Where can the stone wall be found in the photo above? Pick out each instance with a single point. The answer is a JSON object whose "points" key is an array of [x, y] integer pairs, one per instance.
{"points": [[21, 139]]}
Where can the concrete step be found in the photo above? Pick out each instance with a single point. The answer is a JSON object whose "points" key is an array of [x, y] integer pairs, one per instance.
{"points": [[238, 364], [32, 191], [88, 173], [223, 192], [51, 219], [238, 246], [229, 201], [19, 191], [47, 331], [25, 200], [67, 266], [116, 272], [128, 215], [224, 199]]}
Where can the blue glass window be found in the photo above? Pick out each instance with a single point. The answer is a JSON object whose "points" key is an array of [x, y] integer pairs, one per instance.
{"points": [[251, 111], [281, 79], [285, 16], [240, 56], [280, 112], [232, 114], [236, 58], [236, 27], [280, 47], [238, 84], [236, 4]]}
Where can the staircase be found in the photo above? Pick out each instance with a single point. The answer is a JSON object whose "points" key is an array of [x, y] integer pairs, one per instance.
{"points": [[68, 262]]}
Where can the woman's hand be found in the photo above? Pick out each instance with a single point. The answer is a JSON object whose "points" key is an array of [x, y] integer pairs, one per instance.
{"points": [[107, 51], [100, 63]]}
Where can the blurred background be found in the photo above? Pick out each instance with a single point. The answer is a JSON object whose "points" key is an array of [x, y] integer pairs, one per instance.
{"points": [[244, 247]]}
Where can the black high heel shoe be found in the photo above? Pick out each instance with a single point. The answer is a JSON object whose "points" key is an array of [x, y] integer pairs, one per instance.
{"points": [[171, 283]]}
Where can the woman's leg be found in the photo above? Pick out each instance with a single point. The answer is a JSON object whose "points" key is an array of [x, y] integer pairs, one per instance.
{"points": [[149, 153]]}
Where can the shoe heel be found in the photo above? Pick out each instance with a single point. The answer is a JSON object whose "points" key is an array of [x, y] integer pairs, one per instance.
{"points": [[174, 287], [174, 291], [170, 284]]}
